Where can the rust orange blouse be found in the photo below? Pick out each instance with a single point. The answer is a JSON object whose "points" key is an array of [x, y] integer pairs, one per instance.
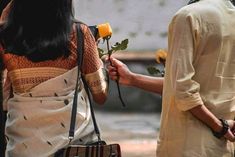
{"points": [[25, 74]]}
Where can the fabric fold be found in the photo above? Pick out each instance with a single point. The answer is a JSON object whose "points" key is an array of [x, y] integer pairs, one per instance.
{"points": [[42, 117]]}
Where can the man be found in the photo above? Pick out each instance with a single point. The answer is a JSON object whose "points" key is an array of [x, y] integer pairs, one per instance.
{"points": [[198, 105]]}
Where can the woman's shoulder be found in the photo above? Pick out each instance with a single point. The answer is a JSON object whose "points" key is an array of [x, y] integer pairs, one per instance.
{"points": [[82, 25]]}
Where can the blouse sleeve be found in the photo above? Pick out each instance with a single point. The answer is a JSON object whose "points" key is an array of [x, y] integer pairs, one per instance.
{"points": [[93, 70], [183, 32]]}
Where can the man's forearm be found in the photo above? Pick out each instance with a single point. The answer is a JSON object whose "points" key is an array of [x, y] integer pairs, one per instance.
{"points": [[148, 83], [203, 114]]}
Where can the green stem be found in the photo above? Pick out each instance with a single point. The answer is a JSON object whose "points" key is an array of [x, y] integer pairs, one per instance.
{"points": [[118, 86]]}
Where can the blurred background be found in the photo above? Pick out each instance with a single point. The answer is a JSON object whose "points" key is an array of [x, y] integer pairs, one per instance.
{"points": [[145, 24]]}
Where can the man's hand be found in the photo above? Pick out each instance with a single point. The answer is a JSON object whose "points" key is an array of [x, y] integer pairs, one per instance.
{"points": [[230, 135], [119, 71]]}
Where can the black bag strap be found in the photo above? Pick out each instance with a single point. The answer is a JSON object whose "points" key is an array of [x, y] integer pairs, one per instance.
{"points": [[80, 52]]}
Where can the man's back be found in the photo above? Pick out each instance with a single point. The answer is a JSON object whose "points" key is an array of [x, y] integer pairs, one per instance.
{"points": [[199, 70]]}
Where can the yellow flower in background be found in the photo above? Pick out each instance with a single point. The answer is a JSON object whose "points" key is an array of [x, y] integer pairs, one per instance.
{"points": [[105, 30], [161, 56]]}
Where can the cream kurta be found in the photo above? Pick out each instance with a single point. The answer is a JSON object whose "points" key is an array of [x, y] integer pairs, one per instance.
{"points": [[200, 70]]}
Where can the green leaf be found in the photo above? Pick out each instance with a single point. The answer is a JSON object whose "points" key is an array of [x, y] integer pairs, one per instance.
{"points": [[110, 52], [153, 70], [120, 46], [101, 52]]}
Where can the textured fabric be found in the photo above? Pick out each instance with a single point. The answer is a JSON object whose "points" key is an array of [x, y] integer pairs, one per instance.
{"points": [[39, 104], [25, 74], [97, 81], [38, 121], [22, 74], [97, 150], [200, 70]]}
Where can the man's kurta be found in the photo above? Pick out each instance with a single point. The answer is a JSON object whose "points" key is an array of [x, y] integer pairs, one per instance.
{"points": [[200, 70]]}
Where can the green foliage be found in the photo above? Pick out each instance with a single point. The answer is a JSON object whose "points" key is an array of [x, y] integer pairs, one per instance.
{"points": [[154, 71], [101, 52], [118, 46]]}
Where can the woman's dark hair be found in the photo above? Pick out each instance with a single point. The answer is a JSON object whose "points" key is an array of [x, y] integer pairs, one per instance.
{"points": [[38, 29]]}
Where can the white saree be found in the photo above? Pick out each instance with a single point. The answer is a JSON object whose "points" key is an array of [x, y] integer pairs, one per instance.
{"points": [[39, 120]]}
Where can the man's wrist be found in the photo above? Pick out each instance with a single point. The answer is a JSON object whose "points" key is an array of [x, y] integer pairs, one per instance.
{"points": [[223, 130], [217, 126], [132, 79]]}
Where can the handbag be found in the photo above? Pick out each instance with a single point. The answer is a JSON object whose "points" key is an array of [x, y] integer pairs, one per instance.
{"points": [[95, 149]]}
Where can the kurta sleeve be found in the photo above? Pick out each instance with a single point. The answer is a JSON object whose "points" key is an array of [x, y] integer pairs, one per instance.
{"points": [[183, 36]]}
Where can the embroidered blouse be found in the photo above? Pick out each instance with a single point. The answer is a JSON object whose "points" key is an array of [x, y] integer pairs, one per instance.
{"points": [[23, 74]]}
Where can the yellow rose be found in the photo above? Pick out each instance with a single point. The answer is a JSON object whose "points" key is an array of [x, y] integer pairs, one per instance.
{"points": [[161, 56], [104, 30]]}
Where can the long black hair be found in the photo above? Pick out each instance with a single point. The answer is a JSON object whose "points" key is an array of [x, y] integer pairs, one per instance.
{"points": [[38, 29], [3, 4]]}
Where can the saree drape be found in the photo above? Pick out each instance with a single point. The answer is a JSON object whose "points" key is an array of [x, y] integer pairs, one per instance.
{"points": [[39, 120]]}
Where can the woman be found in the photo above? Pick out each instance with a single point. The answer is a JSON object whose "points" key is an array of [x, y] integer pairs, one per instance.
{"points": [[40, 57]]}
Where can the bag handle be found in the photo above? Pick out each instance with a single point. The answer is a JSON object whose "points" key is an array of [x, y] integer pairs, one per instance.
{"points": [[80, 52]]}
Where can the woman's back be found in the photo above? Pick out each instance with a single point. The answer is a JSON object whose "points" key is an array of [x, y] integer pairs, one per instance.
{"points": [[41, 70]]}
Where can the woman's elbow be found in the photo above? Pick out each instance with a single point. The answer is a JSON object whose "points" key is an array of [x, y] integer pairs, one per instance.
{"points": [[100, 98]]}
